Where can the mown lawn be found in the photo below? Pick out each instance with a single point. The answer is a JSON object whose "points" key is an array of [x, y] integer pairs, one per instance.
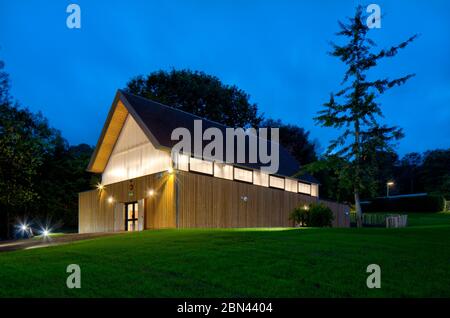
{"points": [[415, 262]]}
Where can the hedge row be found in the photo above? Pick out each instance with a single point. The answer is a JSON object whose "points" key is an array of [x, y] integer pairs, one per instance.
{"points": [[426, 203]]}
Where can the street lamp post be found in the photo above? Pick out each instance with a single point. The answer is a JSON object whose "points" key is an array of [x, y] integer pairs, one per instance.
{"points": [[388, 184]]}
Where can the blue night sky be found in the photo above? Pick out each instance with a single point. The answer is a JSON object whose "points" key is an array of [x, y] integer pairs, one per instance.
{"points": [[275, 50]]}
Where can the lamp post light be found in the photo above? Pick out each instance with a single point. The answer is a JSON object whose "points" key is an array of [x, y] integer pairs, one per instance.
{"points": [[388, 184]]}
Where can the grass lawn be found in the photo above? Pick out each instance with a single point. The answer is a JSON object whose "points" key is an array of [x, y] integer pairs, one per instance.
{"points": [[415, 262]]}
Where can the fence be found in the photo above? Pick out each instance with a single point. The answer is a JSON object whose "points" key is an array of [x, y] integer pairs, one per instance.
{"points": [[381, 220]]}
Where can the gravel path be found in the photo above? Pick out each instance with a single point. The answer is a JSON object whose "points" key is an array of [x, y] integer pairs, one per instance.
{"points": [[37, 242]]}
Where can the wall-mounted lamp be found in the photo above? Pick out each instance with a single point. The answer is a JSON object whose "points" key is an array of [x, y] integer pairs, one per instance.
{"points": [[110, 199]]}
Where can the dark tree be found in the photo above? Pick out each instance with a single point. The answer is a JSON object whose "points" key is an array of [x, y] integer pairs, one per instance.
{"points": [[407, 173], [40, 174], [200, 94], [295, 139], [354, 109], [435, 172]]}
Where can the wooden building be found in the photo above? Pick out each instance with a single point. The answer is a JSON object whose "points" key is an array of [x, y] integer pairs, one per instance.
{"points": [[142, 188]]}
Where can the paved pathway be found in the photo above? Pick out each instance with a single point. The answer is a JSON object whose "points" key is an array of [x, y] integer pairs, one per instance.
{"points": [[37, 242]]}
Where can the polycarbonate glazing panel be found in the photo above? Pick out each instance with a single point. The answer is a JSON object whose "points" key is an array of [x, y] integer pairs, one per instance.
{"points": [[201, 166], [276, 182], [315, 190], [260, 178], [291, 185], [222, 170], [134, 156], [304, 188], [243, 175]]}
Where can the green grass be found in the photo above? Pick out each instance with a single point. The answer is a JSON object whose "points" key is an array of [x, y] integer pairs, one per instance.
{"points": [[415, 262]]}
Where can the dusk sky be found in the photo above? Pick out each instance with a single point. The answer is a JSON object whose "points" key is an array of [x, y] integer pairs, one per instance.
{"points": [[274, 50]]}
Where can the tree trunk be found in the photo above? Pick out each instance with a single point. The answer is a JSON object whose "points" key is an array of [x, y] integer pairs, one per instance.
{"points": [[358, 209], [7, 226], [357, 180]]}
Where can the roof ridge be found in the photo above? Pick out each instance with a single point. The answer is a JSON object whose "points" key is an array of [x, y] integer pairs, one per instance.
{"points": [[199, 117]]}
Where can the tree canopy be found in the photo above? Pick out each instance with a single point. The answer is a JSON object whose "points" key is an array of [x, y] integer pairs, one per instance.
{"points": [[200, 94]]}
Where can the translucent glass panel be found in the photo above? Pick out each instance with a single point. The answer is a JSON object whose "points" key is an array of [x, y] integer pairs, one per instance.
{"points": [[260, 178], [315, 190], [243, 175], [201, 166], [182, 162], [276, 182], [134, 156], [222, 170], [291, 185], [304, 188]]}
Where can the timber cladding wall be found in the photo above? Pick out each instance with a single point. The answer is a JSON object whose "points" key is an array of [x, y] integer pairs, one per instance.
{"points": [[205, 201], [191, 200], [97, 214]]}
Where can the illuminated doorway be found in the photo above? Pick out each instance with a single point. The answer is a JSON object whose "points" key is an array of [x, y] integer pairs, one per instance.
{"points": [[131, 216]]}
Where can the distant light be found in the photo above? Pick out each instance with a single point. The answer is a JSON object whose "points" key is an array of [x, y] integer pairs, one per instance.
{"points": [[46, 232], [151, 192], [100, 186], [390, 183], [306, 207], [24, 227], [110, 200], [170, 170]]}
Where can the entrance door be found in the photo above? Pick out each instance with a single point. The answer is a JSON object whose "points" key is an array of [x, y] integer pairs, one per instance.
{"points": [[131, 216]]}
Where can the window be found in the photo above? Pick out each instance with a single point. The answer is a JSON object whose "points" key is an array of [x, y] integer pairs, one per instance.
{"points": [[260, 178], [222, 170], [315, 190], [201, 166], [304, 188], [276, 182], [182, 162], [243, 175], [291, 185]]}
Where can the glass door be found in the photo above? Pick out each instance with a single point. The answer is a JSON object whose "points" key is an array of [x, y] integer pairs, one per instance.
{"points": [[131, 216]]}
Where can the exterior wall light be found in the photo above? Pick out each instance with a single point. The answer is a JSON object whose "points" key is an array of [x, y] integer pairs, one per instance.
{"points": [[110, 199], [151, 193]]}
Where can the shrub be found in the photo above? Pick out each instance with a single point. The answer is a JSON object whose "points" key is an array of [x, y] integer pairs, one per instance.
{"points": [[425, 203], [320, 215], [300, 216], [316, 214]]}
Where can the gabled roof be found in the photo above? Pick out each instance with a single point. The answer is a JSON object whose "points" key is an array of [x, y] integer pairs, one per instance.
{"points": [[158, 121]]}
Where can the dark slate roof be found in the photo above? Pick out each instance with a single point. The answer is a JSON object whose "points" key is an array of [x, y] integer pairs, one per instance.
{"points": [[160, 120]]}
